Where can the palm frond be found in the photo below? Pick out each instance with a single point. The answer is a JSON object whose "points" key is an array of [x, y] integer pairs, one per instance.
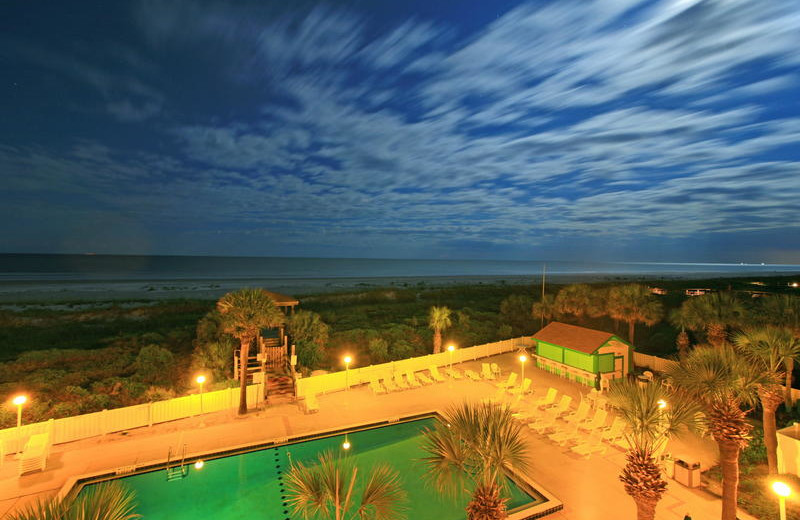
{"points": [[383, 495]]}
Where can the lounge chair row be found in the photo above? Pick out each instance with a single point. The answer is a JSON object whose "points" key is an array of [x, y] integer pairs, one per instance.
{"points": [[410, 379]]}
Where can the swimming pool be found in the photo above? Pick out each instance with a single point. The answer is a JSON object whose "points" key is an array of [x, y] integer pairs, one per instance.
{"points": [[250, 484]]}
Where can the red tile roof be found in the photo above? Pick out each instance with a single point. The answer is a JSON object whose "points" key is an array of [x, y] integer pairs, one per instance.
{"points": [[573, 337]]}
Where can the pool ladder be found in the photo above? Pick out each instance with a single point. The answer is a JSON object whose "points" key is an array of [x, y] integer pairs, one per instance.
{"points": [[179, 470]]}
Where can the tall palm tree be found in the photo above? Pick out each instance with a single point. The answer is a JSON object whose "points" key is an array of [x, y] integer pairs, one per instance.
{"points": [[578, 300], [722, 382], [652, 415], [438, 320], [634, 303], [782, 311], [244, 313], [768, 348], [327, 489], [713, 313], [472, 447], [111, 501], [544, 309], [679, 320]]}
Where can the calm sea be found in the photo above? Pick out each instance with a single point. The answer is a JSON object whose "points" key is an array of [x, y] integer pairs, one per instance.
{"points": [[31, 268]]}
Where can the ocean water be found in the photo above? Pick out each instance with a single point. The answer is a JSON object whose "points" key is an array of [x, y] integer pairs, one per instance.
{"points": [[94, 276]]}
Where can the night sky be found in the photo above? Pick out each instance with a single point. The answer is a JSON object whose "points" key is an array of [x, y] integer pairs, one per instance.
{"points": [[559, 130]]}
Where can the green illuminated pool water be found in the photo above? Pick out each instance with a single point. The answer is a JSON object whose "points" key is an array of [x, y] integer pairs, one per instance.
{"points": [[250, 486]]}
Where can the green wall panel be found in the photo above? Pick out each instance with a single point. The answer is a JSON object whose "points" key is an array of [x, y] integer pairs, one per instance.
{"points": [[579, 360], [549, 351], [605, 362]]}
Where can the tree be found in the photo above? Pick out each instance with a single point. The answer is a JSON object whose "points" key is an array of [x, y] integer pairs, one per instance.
{"points": [[782, 311], [634, 303], [652, 415], [713, 313], [244, 313], [679, 320], [213, 348], [544, 309], [154, 365], [578, 300], [471, 447], [769, 348], [310, 335], [438, 320], [515, 311], [326, 490], [109, 501], [722, 382]]}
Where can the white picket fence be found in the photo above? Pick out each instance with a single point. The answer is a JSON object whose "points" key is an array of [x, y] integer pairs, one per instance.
{"points": [[336, 381], [119, 419], [652, 362]]}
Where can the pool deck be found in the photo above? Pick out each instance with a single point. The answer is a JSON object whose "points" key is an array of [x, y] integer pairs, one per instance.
{"points": [[589, 488]]}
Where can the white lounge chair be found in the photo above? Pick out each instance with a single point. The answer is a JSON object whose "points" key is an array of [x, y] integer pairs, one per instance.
{"points": [[454, 373], [596, 423], [496, 370], [389, 384], [486, 371], [311, 404], [510, 382], [580, 414], [435, 374], [615, 432], [400, 382], [564, 435], [592, 444], [548, 399], [523, 388], [376, 387], [562, 406], [425, 380], [412, 380], [34, 455], [498, 397], [472, 375]]}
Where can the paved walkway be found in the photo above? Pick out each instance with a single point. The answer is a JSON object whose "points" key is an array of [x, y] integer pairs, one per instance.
{"points": [[589, 488]]}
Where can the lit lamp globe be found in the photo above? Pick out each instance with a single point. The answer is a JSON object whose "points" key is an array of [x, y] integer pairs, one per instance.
{"points": [[661, 404], [783, 491], [346, 445], [18, 402], [200, 380]]}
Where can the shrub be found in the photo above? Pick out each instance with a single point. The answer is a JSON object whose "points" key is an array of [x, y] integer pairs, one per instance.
{"points": [[154, 365], [378, 350]]}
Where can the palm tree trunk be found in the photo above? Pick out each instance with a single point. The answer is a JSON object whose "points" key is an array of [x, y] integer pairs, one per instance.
{"points": [[437, 341], [716, 334], [683, 344], [770, 403], [729, 462], [631, 330], [244, 354], [645, 508], [788, 389]]}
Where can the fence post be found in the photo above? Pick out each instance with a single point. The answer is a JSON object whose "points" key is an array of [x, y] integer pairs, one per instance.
{"points": [[150, 414]]}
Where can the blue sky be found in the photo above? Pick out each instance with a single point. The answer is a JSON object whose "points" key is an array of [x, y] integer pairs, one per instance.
{"points": [[569, 130]]}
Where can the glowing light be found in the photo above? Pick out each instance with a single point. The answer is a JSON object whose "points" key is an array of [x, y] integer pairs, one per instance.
{"points": [[199, 464], [200, 379], [662, 404], [348, 360], [20, 400], [451, 348], [523, 358], [781, 489], [346, 445]]}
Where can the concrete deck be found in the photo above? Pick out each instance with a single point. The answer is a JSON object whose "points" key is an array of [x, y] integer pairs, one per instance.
{"points": [[589, 488]]}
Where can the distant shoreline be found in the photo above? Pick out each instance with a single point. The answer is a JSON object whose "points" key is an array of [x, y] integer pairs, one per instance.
{"points": [[111, 290]]}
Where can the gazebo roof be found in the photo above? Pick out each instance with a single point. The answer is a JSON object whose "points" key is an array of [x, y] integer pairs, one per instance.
{"points": [[573, 337], [282, 300]]}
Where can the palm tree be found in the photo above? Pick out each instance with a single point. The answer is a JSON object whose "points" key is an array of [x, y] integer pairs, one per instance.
{"points": [[634, 303], [244, 313], [769, 348], [438, 320], [545, 309], [783, 311], [472, 447], [722, 382], [326, 489], [714, 313], [679, 320], [652, 415], [578, 300], [111, 501]]}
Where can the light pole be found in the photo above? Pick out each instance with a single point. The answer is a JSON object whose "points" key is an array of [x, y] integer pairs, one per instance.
{"points": [[783, 491], [200, 380], [522, 359], [347, 361], [450, 349], [19, 401]]}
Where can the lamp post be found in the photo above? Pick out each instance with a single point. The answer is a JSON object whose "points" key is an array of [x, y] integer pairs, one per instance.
{"points": [[19, 401], [450, 349], [347, 361], [522, 359], [783, 491], [200, 380]]}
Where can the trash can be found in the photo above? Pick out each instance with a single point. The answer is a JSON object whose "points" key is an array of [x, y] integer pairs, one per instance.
{"points": [[687, 473]]}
